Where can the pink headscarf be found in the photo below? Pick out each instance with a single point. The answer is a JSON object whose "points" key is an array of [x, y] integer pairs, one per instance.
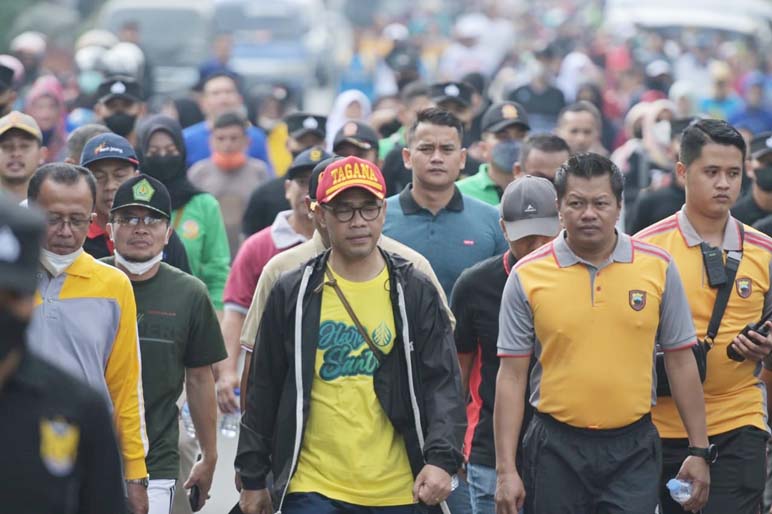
{"points": [[49, 86]]}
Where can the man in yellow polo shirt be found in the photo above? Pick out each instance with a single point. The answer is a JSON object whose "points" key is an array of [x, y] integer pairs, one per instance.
{"points": [[711, 164], [590, 307]]}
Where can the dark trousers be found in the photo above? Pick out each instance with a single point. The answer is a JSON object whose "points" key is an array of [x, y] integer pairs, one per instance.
{"points": [[570, 470], [313, 503], [736, 478]]}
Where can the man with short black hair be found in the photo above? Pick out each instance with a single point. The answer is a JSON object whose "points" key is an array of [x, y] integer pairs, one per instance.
{"points": [[230, 174], [711, 248], [504, 125], [120, 103], [579, 124], [431, 215], [541, 155], [179, 337], [21, 152], [591, 446]]}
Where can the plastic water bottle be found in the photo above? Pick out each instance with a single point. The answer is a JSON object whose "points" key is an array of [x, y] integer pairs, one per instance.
{"points": [[187, 420], [230, 422], [680, 490]]}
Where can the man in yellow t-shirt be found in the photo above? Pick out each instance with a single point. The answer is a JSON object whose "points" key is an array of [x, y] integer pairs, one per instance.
{"points": [[354, 398]]}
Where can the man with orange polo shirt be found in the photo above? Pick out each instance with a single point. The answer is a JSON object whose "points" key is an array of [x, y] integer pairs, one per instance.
{"points": [[711, 164], [591, 446]]}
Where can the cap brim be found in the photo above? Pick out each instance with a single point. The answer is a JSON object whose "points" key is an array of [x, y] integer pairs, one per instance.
{"points": [[14, 280], [134, 162], [761, 153], [113, 96], [519, 229], [378, 194], [25, 129], [146, 206], [304, 131], [460, 101], [506, 123], [297, 170], [359, 143]]}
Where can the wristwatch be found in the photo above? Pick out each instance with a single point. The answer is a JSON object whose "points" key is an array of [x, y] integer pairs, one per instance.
{"points": [[144, 482], [710, 454]]}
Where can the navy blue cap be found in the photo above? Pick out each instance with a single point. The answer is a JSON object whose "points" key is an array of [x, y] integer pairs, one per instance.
{"points": [[306, 160], [458, 92], [108, 146]]}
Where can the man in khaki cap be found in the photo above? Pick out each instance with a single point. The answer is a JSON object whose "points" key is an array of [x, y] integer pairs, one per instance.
{"points": [[21, 152]]}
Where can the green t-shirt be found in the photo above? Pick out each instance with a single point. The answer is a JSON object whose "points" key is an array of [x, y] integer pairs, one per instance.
{"points": [[178, 329], [481, 186]]}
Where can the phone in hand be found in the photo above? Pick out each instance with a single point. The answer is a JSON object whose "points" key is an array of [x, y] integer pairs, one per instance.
{"points": [[195, 494], [760, 328]]}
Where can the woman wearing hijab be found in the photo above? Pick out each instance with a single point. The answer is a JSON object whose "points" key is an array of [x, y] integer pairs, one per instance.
{"points": [[45, 103], [350, 105], [196, 215]]}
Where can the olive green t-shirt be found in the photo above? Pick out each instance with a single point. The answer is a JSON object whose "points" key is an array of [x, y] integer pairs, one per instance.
{"points": [[178, 329]]}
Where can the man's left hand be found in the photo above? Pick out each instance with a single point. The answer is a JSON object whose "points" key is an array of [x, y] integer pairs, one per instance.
{"points": [[696, 470], [137, 497], [201, 475], [432, 485], [756, 347], [226, 398]]}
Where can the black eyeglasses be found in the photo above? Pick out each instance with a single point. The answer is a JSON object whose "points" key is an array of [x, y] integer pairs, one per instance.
{"points": [[346, 213], [148, 221]]}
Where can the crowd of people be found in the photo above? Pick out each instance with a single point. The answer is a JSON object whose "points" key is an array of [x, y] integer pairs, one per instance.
{"points": [[512, 269]]}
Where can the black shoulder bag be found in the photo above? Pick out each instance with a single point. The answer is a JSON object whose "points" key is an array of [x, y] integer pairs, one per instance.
{"points": [[726, 275]]}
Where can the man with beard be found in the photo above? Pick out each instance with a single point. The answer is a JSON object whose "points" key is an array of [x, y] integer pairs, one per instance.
{"points": [[21, 152], [64, 457], [120, 104], [757, 203], [178, 334]]}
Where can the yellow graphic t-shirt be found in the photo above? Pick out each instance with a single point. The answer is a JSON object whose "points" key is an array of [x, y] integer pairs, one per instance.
{"points": [[351, 451]]}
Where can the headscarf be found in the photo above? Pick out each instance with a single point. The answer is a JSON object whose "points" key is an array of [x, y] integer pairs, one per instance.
{"points": [[575, 69], [49, 86], [188, 111], [180, 188], [655, 142], [337, 117]]}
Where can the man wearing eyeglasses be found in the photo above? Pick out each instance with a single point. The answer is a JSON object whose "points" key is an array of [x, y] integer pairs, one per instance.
{"points": [[179, 337], [85, 314], [335, 407]]}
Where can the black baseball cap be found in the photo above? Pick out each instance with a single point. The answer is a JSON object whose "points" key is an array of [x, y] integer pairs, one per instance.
{"points": [[761, 144], [306, 161], [108, 146], [143, 191], [313, 181], [119, 86], [21, 231], [502, 115], [358, 134], [459, 92], [6, 78], [301, 123]]}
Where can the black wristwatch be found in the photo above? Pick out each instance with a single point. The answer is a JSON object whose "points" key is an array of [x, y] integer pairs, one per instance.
{"points": [[710, 454]]}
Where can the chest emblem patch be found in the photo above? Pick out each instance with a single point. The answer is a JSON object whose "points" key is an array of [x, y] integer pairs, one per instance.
{"points": [[637, 299], [58, 445], [744, 287]]}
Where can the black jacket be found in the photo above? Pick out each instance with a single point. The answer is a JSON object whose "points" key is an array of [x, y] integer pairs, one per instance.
{"points": [[270, 439]]}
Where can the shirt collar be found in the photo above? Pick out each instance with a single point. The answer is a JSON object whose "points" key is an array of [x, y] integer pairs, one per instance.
{"points": [[623, 252], [82, 266], [732, 240], [282, 233], [410, 206]]}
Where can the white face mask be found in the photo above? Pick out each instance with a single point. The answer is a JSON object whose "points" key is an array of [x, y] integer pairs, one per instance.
{"points": [[56, 264], [661, 132], [137, 268]]}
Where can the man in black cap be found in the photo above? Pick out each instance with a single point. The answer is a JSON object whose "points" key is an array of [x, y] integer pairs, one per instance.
{"points": [[456, 97], [179, 338], [358, 139], [757, 203], [61, 455], [504, 125], [304, 131], [119, 105], [7, 91], [112, 161]]}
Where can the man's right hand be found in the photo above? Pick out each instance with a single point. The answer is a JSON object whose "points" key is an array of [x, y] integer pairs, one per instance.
{"points": [[256, 502], [510, 493], [226, 398]]}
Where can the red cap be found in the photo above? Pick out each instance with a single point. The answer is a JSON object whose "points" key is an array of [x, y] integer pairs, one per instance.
{"points": [[347, 173]]}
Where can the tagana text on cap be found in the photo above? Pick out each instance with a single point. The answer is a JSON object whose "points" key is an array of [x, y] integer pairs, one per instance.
{"points": [[347, 173]]}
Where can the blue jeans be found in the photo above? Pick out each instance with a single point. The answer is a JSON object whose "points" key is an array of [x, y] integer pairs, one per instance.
{"points": [[314, 503], [482, 488], [458, 501]]}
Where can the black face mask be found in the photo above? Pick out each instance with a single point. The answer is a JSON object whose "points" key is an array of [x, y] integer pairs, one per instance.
{"points": [[121, 123], [12, 331], [764, 178], [164, 168]]}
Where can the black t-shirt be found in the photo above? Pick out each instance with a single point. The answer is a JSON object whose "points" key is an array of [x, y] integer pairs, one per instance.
{"points": [[264, 204], [60, 454], [654, 206], [174, 252], [747, 211], [764, 225], [475, 302], [178, 329]]}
